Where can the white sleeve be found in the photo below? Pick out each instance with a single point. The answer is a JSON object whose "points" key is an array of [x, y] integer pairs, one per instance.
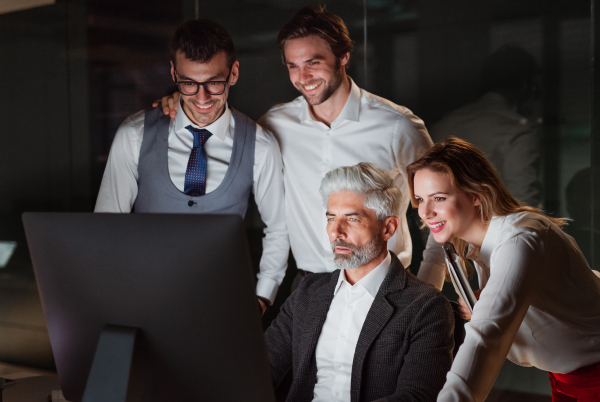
{"points": [[411, 141], [433, 267], [268, 193], [497, 316], [119, 188]]}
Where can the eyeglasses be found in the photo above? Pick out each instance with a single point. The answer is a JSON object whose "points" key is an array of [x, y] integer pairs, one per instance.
{"points": [[210, 87]]}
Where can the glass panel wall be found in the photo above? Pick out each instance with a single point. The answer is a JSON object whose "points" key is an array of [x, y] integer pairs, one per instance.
{"points": [[95, 62]]}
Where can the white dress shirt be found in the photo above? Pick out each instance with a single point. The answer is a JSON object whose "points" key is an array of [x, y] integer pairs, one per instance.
{"points": [[508, 139], [540, 306], [368, 129], [334, 352], [119, 188]]}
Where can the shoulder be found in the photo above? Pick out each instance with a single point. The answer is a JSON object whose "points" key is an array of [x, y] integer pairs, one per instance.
{"points": [[263, 136], [523, 231], [523, 222], [491, 109], [409, 130], [265, 142], [131, 131], [408, 288], [315, 284], [422, 305], [428, 304], [282, 112], [134, 122], [386, 108], [424, 292], [314, 281]]}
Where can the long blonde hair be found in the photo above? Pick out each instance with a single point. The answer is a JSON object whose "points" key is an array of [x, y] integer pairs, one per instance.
{"points": [[470, 172]]}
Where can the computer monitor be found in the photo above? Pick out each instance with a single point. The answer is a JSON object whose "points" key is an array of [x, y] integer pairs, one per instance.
{"points": [[185, 283]]}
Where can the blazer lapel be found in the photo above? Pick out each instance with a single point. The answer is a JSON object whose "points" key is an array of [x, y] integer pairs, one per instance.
{"points": [[315, 318], [380, 313]]}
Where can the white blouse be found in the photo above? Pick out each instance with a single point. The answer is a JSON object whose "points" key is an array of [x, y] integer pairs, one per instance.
{"points": [[540, 306]]}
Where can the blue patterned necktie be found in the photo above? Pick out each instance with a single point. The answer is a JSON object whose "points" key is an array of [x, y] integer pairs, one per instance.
{"points": [[195, 175]]}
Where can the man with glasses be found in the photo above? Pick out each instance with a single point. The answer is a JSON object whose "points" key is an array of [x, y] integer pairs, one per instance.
{"points": [[335, 123], [207, 158]]}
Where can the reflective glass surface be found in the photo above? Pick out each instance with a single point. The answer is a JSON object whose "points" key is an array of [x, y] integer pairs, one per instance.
{"points": [[72, 72]]}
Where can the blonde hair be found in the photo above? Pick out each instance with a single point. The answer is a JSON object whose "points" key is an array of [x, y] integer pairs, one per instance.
{"points": [[470, 172]]}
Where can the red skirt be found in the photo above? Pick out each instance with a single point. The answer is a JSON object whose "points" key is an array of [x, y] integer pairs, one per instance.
{"points": [[581, 385]]}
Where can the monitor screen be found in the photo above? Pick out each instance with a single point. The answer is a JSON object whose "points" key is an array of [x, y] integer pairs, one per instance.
{"points": [[186, 283]]}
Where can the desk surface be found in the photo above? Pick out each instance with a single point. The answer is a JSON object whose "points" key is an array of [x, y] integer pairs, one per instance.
{"points": [[31, 389]]}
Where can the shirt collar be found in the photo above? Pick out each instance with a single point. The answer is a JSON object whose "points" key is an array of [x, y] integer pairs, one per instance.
{"points": [[371, 281], [485, 252], [350, 111], [217, 128]]}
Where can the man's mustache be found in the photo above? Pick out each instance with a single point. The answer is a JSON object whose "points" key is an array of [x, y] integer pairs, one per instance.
{"points": [[341, 243]]}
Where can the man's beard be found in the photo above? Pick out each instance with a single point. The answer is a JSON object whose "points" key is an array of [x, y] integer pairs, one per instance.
{"points": [[361, 255], [328, 90]]}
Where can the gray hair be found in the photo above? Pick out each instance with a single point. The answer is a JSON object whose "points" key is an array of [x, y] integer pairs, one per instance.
{"points": [[375, 185]]}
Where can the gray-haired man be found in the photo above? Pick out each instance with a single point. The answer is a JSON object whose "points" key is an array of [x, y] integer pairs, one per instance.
{"points": [[369, 330]]}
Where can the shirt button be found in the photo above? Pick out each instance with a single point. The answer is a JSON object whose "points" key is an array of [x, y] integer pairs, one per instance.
{"points": [[327, 134], [350, 307], [343, 336], [326, 160], [338, 366], [337, 394]]}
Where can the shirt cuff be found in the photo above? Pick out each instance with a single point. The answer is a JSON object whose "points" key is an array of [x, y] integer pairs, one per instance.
{"points": [[267, 288], [455, 390]]}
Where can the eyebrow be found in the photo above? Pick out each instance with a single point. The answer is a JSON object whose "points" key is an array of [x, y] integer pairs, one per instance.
{"points": [[186, 78], [315, 57], [348, 214], [432, 194]]}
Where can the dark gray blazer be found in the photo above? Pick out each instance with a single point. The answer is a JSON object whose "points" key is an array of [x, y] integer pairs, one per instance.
{"points": [[404, 349]]}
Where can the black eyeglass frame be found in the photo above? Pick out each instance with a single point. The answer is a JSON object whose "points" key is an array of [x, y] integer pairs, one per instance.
{"points": [[204, 84]]}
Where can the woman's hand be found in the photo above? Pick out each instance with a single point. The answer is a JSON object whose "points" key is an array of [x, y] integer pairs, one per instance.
{"points": [[463, 310], [170, 103]]}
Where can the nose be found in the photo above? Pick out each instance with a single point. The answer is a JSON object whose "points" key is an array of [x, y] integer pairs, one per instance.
{"points": [[336, 229], [202, 96], [305, 75], [426, 210]]}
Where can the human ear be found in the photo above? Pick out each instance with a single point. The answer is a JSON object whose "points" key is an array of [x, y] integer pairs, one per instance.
{"points": [[476, 201], [390, 225], [172, 71], [345, 59], [235, 73]]}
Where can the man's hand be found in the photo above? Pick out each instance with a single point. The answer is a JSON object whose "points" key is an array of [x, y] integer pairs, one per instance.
{"points": [[463, 310], [170, 104], [263, 306]]}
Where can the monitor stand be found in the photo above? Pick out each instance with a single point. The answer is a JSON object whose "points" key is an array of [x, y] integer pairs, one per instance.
{"points": [[109, 375]]}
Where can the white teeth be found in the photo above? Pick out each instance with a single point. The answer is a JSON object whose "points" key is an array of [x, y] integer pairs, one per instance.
{"points": [[204, 107], [311, 87], [437, 225]]}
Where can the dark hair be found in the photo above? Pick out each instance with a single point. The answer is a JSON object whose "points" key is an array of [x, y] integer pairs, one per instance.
{"points": [[470, 172], [315, 20], [201, 40], [509, 68]]}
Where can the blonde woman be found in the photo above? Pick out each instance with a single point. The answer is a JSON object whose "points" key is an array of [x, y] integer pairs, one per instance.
{"points": [[540, 301]]}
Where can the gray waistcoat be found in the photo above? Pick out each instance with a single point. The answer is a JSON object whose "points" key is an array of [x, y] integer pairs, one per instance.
{"points": [[158, 194]]}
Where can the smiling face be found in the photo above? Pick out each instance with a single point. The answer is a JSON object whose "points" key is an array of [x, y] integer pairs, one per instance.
{"points": [[448, 211], [314, 70], [356, 236], [204, 108]]}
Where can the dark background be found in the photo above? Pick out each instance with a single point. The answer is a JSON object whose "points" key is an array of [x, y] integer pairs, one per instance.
{"points": [[70, 73]]}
